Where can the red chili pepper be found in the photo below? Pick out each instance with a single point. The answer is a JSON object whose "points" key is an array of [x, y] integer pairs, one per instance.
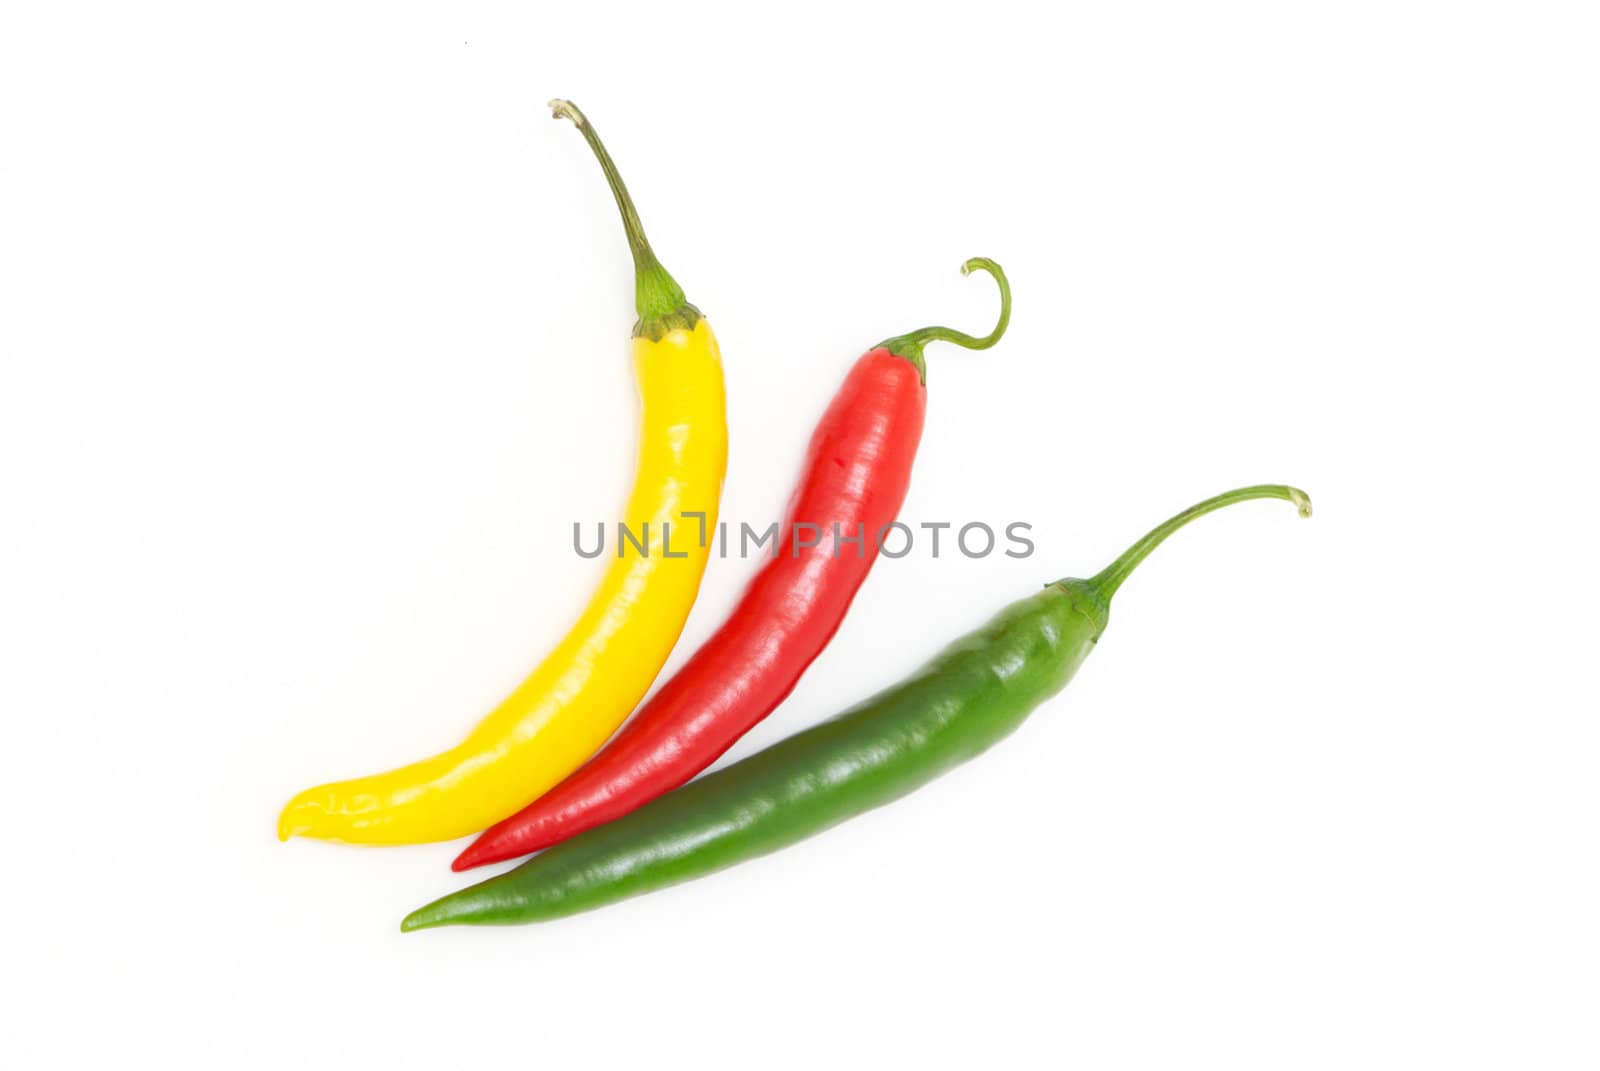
{"points": [[857, 470]]}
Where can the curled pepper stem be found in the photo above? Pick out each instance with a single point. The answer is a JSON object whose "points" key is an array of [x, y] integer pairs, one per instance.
{"points": [[911, 344], [657, 296], [1109, 579]]}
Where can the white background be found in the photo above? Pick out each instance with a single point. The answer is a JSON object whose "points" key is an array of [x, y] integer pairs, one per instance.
{"points": [[314, 340]]}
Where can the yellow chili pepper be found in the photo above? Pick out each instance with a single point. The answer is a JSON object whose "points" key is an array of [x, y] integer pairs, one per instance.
{"points": [[594, 678]]}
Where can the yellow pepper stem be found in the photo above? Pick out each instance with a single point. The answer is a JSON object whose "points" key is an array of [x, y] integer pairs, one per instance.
{"points": [[658, 297]]}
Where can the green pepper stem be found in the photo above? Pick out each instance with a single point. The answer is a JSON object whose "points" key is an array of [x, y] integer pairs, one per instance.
{"points": [[910, 345], [1109, 579], [657, 296]]}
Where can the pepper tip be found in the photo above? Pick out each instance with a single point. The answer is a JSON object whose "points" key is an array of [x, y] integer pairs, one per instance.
{"points": [[300, 817], [425, 917]]}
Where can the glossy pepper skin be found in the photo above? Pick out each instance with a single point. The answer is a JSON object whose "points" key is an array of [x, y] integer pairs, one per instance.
{"points": [[853, 483], [969, 697], [567, 708]]}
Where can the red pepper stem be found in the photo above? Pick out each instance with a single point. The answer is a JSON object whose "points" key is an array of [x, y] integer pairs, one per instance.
{"points": [[1108, 580], [910, 345], [657, 296]]}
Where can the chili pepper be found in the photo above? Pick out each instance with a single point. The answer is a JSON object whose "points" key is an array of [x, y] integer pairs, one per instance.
{"points": [[970, 696], [854, 481], [592, 680]]}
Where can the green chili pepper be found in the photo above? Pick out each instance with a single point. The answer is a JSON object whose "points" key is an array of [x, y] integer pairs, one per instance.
{"points": [[969, 697]]}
